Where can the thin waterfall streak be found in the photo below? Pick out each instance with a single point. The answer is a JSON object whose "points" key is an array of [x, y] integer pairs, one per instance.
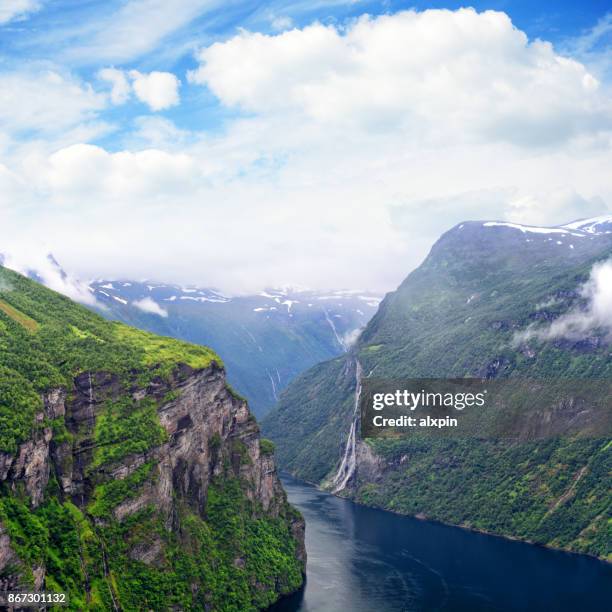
{"points": [[349, 459], [331, 324], [273, 386]]}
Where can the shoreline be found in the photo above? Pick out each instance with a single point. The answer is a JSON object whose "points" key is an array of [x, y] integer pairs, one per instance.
{"points": [[424, 518]]}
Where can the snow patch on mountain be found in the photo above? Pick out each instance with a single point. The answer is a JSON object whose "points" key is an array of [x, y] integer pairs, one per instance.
{"points": [[530, 229], [595, 225]]}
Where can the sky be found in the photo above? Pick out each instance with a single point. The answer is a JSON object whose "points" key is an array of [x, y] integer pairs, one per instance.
{"points": [[324, 144]]}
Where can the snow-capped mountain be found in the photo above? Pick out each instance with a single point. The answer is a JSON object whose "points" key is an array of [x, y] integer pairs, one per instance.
{"points": [[265, 339], [574, 240], [596, 225], [492, 300], [583, 228]]}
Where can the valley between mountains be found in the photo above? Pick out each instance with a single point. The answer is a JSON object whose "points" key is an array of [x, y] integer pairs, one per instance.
{"points": [[133, 474]]}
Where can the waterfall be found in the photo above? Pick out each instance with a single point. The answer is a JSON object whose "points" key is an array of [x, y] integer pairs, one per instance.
{"points": [[331, 324], [90, 405], [92, 415], [349, 459], [273, 385]]}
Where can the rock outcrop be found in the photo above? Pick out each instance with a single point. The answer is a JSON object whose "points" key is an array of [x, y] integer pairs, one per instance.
{"points": [[209, 436]]}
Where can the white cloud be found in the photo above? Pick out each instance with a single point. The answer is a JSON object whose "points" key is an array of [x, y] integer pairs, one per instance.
{"points": [[153, 131], [136, 27], [159, 90], [357, 148], [281, 23], [121, 89], [552, 208], [150, 306], [351, 337], [46, 101], [87, 171], [441, 76], [580, 322], [17, 9], [26, 261]]}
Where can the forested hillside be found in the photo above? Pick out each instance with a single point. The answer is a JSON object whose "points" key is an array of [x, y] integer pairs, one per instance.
{"points": [[131, 475], [485, 303]]}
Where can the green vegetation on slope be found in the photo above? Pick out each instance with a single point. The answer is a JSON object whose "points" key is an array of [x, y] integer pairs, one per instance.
{"points": [[457, 316], [229, 555], [255, 343], [46, 339], [237, 560], [554, 492]]}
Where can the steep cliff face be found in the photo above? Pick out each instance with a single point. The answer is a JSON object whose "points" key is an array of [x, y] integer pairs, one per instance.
{"points": [[459, 315], [145, 487]]}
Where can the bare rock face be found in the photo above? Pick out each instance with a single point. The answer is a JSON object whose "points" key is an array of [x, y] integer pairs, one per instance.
{"points": [[30, 465], [208, 429], [205, 423], [369, 465], [8, 560]]}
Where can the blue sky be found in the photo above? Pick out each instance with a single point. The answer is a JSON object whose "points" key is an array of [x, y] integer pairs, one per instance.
{"points": [[329, 143], [62, 32]]}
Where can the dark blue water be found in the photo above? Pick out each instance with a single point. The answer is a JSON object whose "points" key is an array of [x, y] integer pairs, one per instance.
{"points": [[366, 560]]}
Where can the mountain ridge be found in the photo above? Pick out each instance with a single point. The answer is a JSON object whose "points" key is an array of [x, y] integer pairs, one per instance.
{"points": [[459, 314]]}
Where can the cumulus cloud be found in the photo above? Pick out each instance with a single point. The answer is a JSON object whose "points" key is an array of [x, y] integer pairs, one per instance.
{"points": [[345, 153], [437, 74], [11, 10], [150, 306], [159, 90], [580, 322], [74, 172], [120, 86]]}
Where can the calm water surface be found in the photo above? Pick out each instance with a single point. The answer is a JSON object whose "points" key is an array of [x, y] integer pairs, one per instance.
{"points": [[366, 560]]}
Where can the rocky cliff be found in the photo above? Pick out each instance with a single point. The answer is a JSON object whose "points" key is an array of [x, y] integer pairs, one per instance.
{"points": [[140, 485]]}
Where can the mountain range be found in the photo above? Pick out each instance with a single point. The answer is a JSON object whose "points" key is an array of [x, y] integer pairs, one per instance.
{"points": [[264, 339], [491, 300]]}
